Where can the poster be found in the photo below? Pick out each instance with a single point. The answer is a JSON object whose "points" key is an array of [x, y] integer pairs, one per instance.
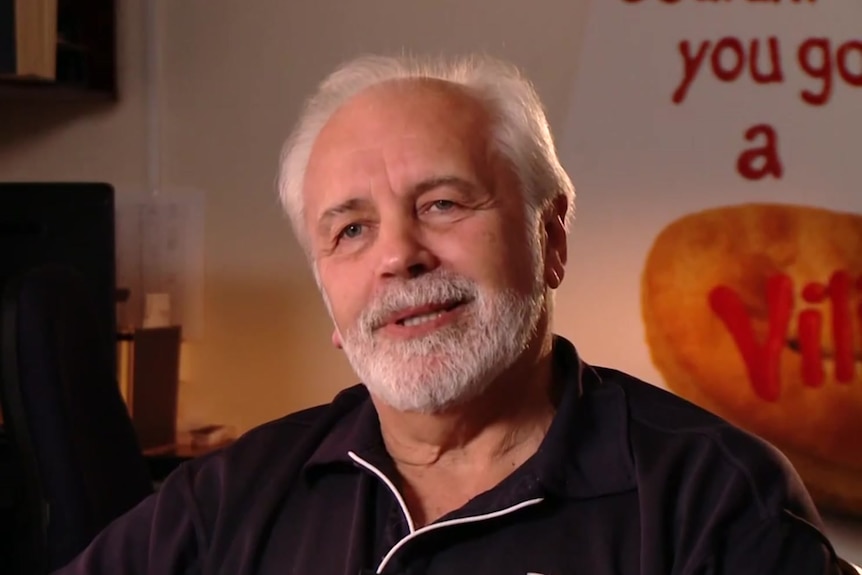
{"points": [[716, 146]]}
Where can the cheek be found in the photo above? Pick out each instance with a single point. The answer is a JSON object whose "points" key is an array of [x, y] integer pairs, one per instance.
{"points": [[495, 255], [521, 253], [345, 295]]}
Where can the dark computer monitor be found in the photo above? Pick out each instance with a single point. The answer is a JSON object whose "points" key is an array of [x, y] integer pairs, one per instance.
{"points": [[63, 223]]}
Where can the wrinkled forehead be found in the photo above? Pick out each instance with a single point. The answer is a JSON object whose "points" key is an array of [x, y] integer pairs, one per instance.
{"points": [[399, 126], [404, 109], [396, 158]]}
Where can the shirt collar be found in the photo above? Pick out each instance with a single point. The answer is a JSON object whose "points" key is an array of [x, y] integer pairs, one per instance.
{"points": [[584, 454], [357, 430], [586, 450]]}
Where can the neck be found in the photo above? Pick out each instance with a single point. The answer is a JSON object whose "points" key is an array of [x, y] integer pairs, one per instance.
{"points": [[504, 425]]}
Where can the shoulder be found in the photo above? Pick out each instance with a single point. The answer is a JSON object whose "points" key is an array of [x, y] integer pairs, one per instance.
{"points": [[672, 438], [278, 442], [264, 461], [714, 491]]}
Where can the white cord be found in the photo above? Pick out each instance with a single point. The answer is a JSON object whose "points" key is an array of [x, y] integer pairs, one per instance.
{"points": [[413, 532]]}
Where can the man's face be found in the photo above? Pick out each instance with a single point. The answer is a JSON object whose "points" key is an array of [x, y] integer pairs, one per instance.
{"points": [[431, 267]]}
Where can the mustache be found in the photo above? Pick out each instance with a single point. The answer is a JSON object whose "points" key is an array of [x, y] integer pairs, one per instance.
{"points": [[439, 288]]}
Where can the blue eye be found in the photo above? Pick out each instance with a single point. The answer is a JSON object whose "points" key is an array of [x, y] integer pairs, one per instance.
{"points": [[443, 205], [351, 231]]}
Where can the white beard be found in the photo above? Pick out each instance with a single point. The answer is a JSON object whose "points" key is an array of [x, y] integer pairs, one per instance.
{"points": [[455, 363]]}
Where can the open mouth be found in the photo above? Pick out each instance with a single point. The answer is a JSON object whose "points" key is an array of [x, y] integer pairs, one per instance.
{"points": [[425, 314]]}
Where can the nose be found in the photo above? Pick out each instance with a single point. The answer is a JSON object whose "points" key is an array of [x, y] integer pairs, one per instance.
{"points": [[403, 254]]}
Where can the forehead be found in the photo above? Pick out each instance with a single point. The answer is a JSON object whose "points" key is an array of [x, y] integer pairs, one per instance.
{"points": [[396, 127]]}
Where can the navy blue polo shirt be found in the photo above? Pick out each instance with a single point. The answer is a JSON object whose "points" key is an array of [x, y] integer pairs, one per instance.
{"points": [[630, 479]]}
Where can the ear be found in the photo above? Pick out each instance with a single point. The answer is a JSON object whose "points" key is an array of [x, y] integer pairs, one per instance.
{"points": [[336, 339], [556, 246]]}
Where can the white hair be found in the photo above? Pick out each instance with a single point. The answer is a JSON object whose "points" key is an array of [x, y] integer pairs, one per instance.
{"points": [[520, 132]]}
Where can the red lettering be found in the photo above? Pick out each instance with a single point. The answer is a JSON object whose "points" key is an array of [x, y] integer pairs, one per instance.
{"points": [[842, 325], [691, 65], [819, 71], [810, 326], [843, 51], [859, 308], [766, 156], [775, 74], [814, 292], [838, 293], [737, 56], [812, 345], [727, 60], [761, 359]]}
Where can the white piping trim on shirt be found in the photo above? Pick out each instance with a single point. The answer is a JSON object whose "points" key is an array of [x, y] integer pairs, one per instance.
{"points": [[414, 533], [389, 484]]}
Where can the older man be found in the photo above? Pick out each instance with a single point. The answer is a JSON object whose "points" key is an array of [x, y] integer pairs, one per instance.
{"points": [[434, 213]]}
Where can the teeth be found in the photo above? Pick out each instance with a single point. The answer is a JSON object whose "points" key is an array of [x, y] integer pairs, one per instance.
{"points": [[420, 319]]}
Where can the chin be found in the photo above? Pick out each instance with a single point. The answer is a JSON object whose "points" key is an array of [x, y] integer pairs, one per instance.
{"points": [[426, 393]]}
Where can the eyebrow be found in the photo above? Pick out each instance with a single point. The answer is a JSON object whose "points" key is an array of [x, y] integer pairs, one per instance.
{"points": [[443, 181], [353, 205], [348, 206]]}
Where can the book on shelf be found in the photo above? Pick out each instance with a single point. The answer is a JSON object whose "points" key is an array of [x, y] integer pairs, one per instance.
{"points": [[28, 39]]}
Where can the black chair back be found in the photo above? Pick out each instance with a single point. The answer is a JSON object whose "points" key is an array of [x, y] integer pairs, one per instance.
{"points": [[70, 433]]}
